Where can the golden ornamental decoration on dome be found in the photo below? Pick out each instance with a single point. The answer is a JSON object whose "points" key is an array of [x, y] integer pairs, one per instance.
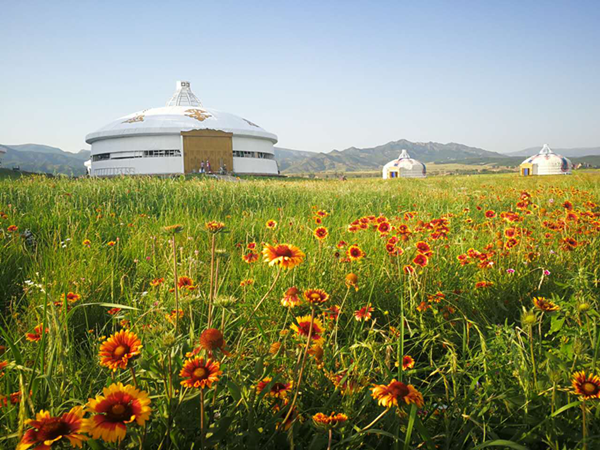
{"points": [[138, 118], [199, 114]]}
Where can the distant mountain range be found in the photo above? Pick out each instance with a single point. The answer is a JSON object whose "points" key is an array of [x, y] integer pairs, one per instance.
{"points": [[42, 158]]}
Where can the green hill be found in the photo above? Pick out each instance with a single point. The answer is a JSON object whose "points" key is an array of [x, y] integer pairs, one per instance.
{"points": [[44, 159]]}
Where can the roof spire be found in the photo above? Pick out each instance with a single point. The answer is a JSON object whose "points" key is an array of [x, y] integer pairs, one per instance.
{"points": [[404, 154], [546, 150], [183, 96]]}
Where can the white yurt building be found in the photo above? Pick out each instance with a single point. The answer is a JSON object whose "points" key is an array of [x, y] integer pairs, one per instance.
{"points": [[546, 162], [181, 137], [404, 167]]}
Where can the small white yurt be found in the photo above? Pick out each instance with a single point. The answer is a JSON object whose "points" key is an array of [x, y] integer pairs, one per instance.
{"points": [[404, 167], [546, 162]]}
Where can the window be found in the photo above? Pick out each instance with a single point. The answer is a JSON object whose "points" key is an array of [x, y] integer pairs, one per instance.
{"points": [[138, 154], [245, 154], [101, 157]]}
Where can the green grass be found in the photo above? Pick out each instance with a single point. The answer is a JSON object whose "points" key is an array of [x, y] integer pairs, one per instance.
{"points": [[487, 378]]}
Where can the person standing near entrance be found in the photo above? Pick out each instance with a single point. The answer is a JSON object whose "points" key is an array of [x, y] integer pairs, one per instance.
{"points": [[208, 169], [201, 166]]}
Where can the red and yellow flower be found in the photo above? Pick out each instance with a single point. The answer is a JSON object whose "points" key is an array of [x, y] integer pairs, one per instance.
{"points": [[271, 224], [38, 331], [283, 255], [276, 390], [395, 393], [355, 253], [200, 373], [115, 410], [407, 362], [421, 260], [545, 305], [329, 421], [250, 257], [316, 296], [119, 349], [157, 282], [586, 386], [47, 430], [302, 329], [290, 298], [186, 283], [363, 314], [321, 233]]}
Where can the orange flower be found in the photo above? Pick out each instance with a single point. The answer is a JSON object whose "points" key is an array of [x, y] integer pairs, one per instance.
{"points": [[38, 331], [86, 243], [569, 244], [186, 283], [331, 421], [302, 328], [3, 365], [364, 313], [490, 214], [277, 390], [396, 392], [247, 282], [423, 248], [423, 306], [321, 233], [290, 298], [352, 281], [71, 297], [545, 305], [47, 430], [355, 253], [421, 260], [483, 284], [177, 228], [409, 270], [316, 296], [119, 348], [12, 228], [284, 255], [407, 362], [157, 282], [271, 224], [214, 226], [200, 373], [111, 243], [212, 339], [586, 386], [114, 411], [250, 257]]}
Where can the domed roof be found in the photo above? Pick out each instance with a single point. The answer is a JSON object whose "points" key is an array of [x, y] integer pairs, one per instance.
{"points": [[404, 161], [183, 112], [546, 157]]}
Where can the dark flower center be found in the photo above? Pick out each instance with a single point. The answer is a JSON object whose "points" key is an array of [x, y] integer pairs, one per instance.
{"points": [[590, 388], [119, 412], [200, 373], [120, 351], [53, 428], [278, 387]]}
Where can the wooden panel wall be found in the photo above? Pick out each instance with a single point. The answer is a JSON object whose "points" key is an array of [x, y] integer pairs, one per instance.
{"points": [[200, 145]]}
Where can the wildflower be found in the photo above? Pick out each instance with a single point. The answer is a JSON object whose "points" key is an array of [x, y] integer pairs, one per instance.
{"points": [[277, 390], [421, 260], [174, 315], [71, 297], [352, 281], [250, 257], [157, 282], [490, 214], [111, 243], [284, 255], [316, 296], [321, 233], [545, 305], [186, 283], [483, 284], [247, 282], [407, 362], [341, 244], [115, 410], [331, 421], [200, 373], [177, 228], [47, 430], [364, 313], [511, 271], [355, 253], [38, 331], [271, 224], [291, 298], [214, 226], [586, 386], [568, 205], [322, 213], [212, 339], [423, 248], [302, 328], [546, 272], [423, 306], [528, 318], [12, 228], [396, 392], [114, 311], [274, 348], [408, 269], [569, 244], [333, 312], [3, 365], [384, 228], [251, 246], [119, 348], [86, 243]]}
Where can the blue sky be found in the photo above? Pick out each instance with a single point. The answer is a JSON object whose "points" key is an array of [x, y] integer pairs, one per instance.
{"points": [[322, 75]]}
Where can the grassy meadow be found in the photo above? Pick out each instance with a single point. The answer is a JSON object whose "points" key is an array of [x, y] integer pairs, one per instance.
{"points": [[444, 313]]}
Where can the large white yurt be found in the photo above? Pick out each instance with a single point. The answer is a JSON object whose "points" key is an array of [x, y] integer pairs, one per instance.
{"points": [[404, 167], [181, 137], [546, 162]]}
